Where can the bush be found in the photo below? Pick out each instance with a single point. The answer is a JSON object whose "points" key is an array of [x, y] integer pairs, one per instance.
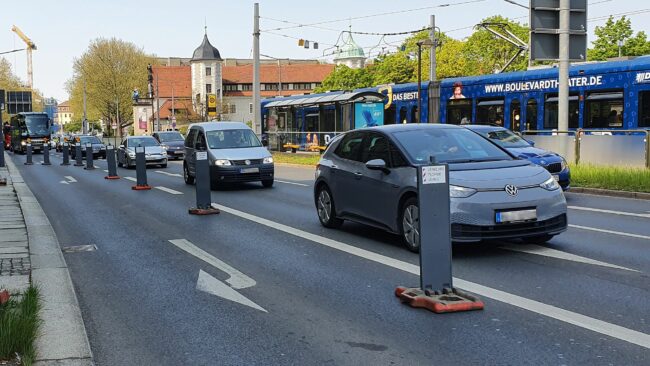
{"points": [[611, 177], [19, 324]]}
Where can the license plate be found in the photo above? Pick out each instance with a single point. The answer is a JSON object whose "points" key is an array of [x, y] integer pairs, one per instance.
{"points": [[178, 152], [556, 177], [515, 216], [250, 170]]}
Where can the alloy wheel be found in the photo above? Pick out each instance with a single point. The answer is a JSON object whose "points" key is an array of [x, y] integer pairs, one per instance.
{"points": [[324, 206], [411, 225]]}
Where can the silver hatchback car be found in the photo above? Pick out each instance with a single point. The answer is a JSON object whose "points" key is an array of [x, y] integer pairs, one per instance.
{"points": [[369, 176]]}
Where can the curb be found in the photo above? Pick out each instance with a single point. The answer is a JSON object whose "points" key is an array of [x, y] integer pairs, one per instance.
{"points": [[62, 338], [610, 193]]}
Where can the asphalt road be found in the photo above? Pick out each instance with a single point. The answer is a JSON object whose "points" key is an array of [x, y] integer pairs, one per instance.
{"points": [[327, 295]]}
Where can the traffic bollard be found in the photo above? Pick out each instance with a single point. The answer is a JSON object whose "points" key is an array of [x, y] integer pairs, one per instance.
{"points": [[202, 182], [89, 157], [77, 155], [140, 170], [110, 160], [436, 291], [66, 154], [29, 155], [2, 149], [46, 154]]}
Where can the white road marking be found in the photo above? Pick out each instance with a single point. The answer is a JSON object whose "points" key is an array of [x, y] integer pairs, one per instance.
{"points": [[237, 279], [169, 174], [168, 190], [294, 183], [106, 170], [570, 317], [70, 179], [621, 213], [610, 232], [131, 179], [211, 285], [553, 253]]}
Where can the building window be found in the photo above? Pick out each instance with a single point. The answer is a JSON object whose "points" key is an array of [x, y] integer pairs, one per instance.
{"points": [[250, 108], [233, 108], [246, 87], [459, 111], [230, 87], [208, 71], [604, 110], [285, 86], [208, 88], [551, 114], [270, 86], [301, 86], [489, 111], [644, 109]]}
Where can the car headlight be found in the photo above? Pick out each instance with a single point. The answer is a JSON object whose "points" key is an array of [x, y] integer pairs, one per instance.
{"points": [[23, 143], [563, 164], [164, 147], [131, 154], [268, 160], [550, 184], [460, 192], [222, 162]]}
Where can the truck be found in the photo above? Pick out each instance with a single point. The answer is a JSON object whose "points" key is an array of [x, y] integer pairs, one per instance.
{"points": [[29, 127]]}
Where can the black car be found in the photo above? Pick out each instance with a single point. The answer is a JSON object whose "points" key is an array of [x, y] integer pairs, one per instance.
{"points": [[172, 142], [99, 149]]}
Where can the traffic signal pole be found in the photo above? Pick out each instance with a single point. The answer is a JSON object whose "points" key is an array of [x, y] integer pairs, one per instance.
{"points": [[563, 91]]}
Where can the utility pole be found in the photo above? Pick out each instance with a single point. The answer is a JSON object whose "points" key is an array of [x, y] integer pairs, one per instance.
{"points": [[173, 111], [84, 123], [157, 126], [563, 92], [432, 54], [257, 115], [117, 120]]}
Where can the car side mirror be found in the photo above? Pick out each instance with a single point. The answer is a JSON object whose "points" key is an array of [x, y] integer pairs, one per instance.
{"points": [[121, 146], [377, 164]]}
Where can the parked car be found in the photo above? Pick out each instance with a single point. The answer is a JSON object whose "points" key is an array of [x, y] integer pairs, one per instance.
{"points": [[154, 153], [99, 149], [173, 142], [234, 152], [524, 149], [369, 176]]}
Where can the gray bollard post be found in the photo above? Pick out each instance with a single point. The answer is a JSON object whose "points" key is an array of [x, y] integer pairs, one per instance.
{"points": [[77, 155], [2, 147], [66, 154], [140, 170], [46, 154], [89, 157], [202, 179], [29, 155], [110, 161], [436, 291]]}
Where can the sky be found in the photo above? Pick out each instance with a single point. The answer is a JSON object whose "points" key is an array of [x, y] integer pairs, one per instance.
{"points": [[63, 29]]}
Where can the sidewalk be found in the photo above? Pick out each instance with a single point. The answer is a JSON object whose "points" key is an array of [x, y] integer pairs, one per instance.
{"points": [[29, 247]]}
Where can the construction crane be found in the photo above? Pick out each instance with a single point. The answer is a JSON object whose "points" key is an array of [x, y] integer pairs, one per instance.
{"points": [[30, 47]]}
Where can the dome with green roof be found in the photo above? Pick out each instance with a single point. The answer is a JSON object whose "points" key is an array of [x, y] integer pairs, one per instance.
{"points": [[350, 50]]}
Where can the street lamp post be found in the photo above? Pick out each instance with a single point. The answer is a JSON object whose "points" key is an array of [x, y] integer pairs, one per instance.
{"points": [[620, 48], [427, 43]]}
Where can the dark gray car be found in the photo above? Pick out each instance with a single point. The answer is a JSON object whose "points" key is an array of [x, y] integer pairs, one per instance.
{"points": [[369, 176], [173, 142]]}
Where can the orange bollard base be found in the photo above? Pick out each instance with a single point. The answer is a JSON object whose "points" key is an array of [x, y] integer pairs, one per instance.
{"points": [[141, 188], [203, 211], [112, 177], [447, 302]]}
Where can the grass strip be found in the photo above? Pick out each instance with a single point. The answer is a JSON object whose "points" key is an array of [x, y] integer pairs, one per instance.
{"points": [[611, 177], [297, 158], [19, 325]]}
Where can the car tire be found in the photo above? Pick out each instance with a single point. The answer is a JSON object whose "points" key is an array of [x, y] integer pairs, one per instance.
{"points": [[128, 163], [538, 239], [267, 183], [163, 165], [186, 175], [325, 208], [119, 163], [409, 224]]}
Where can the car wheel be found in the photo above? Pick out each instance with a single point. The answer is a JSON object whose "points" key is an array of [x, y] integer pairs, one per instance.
{"points": [[538, 239], [163, 165], [268, 183], [410, 224], [326, 209], [186, 175], [119, 163], [128, 163]]}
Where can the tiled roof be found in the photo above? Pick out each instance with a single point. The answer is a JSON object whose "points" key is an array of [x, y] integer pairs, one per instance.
{"points": [[177, 77], [64, 104], [263, 93], [179, 104], [298, 73]]}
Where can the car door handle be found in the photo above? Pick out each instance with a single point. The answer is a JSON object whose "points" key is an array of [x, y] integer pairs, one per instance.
{"points": [[358, 175]]}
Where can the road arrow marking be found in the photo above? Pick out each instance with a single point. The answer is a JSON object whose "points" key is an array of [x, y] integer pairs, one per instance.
{"points": [[64, 182], [70, 179], [169, 174], [211, 285], [237, 279], [553, 253]]}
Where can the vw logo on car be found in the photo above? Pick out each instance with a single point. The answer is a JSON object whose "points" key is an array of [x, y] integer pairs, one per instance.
{"points": [[511, 190]]}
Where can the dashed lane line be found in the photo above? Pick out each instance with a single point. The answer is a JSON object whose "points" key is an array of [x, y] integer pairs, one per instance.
{"points": [[131, 179], [583, 321], [645, 237], [613, 212], [294, 183], [168, 190], [558, 254], [169, 174]]}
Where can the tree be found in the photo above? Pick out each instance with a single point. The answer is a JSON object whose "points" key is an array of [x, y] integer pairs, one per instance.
{"points": [[110, 69], [609, 35], [76, 126], [345, 78]]}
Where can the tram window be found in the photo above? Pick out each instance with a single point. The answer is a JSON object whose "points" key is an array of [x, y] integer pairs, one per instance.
{"points": [[327, 123], [489, 111], [459, 111], [644, 109], [531, 114], [551, 111], [515, 115], [414, 115], [604, 110], [389, 115], [402, 115]]}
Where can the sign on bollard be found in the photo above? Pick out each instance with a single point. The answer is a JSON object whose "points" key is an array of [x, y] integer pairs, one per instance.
{"points": [[66, 154], [46, 154], [202, 179], [89, 157], [110, 160], [29, 155], [140, 170], [436, 291], [77, 153]]}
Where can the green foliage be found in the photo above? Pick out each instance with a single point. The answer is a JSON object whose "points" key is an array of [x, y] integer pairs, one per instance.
{"points": [[77, 127], [19, 325], [310, 159], [611, 177], [484, 53], [608, 36], [345, 78]]}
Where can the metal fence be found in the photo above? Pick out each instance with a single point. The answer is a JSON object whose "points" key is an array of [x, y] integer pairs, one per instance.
{"points": [[304, 141], [597, 147]]}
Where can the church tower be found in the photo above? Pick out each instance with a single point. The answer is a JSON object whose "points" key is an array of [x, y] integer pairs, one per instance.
{"points": [[206, 75], [350, 54]]}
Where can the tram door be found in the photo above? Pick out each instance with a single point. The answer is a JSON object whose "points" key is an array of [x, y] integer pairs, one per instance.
{"points": [[389, 115], [515, 115]]}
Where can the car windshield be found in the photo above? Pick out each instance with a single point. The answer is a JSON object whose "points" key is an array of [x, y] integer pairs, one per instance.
{"points": [[90, 140], [170, 136], [37, 125], [232, 139], [448, 145], [506, 138], [142, 141]]}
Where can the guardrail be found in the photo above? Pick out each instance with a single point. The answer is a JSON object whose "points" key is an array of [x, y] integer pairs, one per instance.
{"points": [[304, 141], [597, 147]]}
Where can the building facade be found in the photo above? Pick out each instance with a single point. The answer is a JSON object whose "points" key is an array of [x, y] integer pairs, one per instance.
{"points": [[63, 114]]}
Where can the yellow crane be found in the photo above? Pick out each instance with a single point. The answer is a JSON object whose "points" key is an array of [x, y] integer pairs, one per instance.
{"points": [[30, 47]]}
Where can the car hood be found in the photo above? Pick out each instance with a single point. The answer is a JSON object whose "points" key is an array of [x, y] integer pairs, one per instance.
{"points": [[178, 143], [241, 153], [533, 153], [497, 178]]}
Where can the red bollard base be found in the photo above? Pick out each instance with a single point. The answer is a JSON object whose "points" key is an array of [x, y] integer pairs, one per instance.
{"points": [[447, 302], [145, 187], [3, 181], [203, 211], [112, 177]]}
